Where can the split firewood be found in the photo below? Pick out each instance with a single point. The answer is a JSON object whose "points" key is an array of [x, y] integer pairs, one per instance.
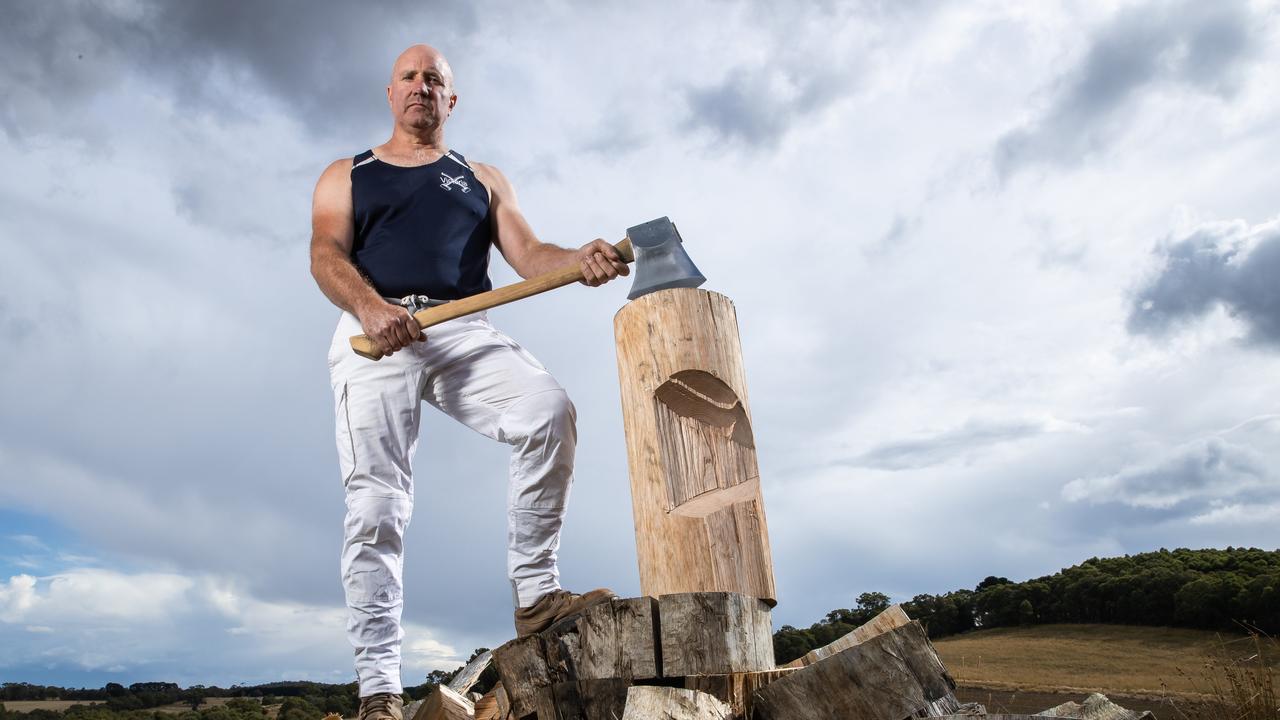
{"points": [[668, 703], [737, 690], [445, 704], [892, 676], [891, 618], [469, 675]]}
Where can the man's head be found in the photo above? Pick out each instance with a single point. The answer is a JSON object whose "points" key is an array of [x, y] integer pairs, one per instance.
{"points": [[421, 91]]}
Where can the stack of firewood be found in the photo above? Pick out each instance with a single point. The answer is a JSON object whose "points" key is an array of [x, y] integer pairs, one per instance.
{"points": [[701, 656]]}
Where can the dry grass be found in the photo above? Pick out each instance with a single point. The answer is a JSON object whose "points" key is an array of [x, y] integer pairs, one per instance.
{"points": [[58, 705], [1240, 680], [1112, 659]]}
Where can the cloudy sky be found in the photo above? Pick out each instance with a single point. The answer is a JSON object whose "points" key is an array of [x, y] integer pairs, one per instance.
{"points": [[1005, 276]]}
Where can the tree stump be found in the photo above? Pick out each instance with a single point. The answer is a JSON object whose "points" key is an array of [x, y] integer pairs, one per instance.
{"points": [[695, 483], [714, 633], [619, 639], [892, 676]]}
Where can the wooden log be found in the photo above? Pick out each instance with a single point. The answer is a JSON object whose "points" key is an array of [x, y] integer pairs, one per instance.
{"points": [[892, 676], [648, 702], [619, 639], [522, 666], [737, 690], [469, 675], [695, 482], [487, 706], [603, 699], [714, 633], [445, 704], [1095, 707], [504, 702], [893, 617]]}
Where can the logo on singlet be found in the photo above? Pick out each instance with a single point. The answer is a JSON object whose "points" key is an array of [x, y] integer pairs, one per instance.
{"points": [[448, 183]]}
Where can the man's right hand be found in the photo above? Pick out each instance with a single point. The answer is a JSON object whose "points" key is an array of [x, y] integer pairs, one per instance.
{"points": [[390, 326]]}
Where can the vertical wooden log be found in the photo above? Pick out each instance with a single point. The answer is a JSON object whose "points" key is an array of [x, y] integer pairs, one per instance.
{"points": [[695, 483]]}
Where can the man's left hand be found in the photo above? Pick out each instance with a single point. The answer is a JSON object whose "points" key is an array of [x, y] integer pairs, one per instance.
{"points": [[600, 263]]}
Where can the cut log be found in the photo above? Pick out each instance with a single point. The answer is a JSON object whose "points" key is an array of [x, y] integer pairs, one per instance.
{"points": [[737, 690], [469, 675], [894, 617], [603, 699], [619, 639], [714, 633], [487, 706], [695, 483], [445, 704], [522, 665], [504, 702], [892, 676], [668, 703]]}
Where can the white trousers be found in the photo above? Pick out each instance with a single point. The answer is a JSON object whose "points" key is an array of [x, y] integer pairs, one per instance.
{"points": [[483, 379]]}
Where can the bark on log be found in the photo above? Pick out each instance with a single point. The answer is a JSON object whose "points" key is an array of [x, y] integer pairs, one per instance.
{"points": [[714, 633], [894, 617], [469, 675], [668, 703], [892, 676], [445, 704], [737, 690], [522, 665], [619, 640], [695, 482]]}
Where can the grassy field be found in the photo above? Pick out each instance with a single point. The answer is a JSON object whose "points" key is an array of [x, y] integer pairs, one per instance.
{"points": [[59, 705], [1112, 659]]}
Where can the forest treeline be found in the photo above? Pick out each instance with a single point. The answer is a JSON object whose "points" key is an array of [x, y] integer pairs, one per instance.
{"points": [[1227, 589]]}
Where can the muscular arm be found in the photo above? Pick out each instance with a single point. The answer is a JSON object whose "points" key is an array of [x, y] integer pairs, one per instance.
{"points": [[528, 255], [332, 237]]}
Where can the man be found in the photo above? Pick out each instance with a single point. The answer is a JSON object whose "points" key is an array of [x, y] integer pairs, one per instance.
{"points": [[407, 224]]}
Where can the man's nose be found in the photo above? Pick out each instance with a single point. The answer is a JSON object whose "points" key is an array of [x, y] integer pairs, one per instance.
{"points": [[426, 89]]}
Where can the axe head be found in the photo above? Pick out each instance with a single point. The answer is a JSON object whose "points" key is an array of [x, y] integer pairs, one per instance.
{"points": [[661, 261]]}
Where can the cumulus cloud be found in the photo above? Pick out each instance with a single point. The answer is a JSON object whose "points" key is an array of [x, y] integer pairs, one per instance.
{"points": [[98, 619], [1227, 264], [1188, 46], [1194, 476]]}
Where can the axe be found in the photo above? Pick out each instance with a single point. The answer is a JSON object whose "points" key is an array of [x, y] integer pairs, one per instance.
{"points": [[655, 246]]}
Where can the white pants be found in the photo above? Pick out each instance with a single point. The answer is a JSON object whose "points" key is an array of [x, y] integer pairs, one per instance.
{"points": [[483, 379]]}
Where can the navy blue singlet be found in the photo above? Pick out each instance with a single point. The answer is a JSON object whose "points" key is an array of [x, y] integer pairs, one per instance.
{"points": [[421, 230]]}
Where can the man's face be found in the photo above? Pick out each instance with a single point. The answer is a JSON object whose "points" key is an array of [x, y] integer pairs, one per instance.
{"points": [[421, 89]]}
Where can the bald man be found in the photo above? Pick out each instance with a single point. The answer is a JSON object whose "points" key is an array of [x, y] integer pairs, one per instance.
{"points": [[406, 225]]}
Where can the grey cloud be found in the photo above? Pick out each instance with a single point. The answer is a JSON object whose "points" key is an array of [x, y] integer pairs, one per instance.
{"points": [[1187, 481], [757, 106], [59, 56], [1223, 264], [1199, 46], [949, 445]]}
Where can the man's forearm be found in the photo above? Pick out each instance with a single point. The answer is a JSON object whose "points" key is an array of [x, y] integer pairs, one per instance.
{"points": [[543, 258], [341, 282]]}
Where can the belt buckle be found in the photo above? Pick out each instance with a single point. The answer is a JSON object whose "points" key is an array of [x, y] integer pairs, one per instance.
{"points": [[414, 303]]}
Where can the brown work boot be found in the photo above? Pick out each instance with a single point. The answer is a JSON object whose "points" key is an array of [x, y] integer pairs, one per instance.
{"points": [[554, 607], [382, 706]]}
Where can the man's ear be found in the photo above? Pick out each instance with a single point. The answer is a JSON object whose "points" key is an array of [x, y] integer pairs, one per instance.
{"points": [[388, 96]]}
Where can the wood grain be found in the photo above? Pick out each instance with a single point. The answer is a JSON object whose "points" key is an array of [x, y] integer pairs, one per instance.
{"points": [[714, 633], [695, 480], [668, 703], [892, 676], [619, 640]]}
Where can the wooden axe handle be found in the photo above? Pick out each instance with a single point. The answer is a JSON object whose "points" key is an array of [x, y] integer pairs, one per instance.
{"points": [[364, 346]]}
